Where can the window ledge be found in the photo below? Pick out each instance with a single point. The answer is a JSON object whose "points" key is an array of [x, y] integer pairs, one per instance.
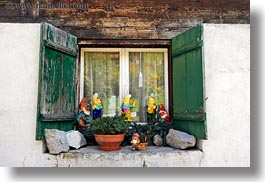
{"points": [[152, 157]]}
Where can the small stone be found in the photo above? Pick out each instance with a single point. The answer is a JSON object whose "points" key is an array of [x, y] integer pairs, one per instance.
{"points": [[75, 139], [180, 140], [157, 140], [56, 141]]}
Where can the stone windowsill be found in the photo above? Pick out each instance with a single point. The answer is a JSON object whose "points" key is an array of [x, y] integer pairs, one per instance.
{"points": [[152, 157]]}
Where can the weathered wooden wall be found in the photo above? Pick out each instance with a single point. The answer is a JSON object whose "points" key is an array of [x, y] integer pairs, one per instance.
{"points": [[127, 18]]}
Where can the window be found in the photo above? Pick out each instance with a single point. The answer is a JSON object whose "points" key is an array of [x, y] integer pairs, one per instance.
{"points": [[116, 72]]}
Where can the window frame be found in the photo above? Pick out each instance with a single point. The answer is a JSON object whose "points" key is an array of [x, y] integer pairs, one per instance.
{"points": [[124, 65]]}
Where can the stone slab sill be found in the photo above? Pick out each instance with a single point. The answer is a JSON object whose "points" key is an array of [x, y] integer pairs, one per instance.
{"points": [[152, 157]]}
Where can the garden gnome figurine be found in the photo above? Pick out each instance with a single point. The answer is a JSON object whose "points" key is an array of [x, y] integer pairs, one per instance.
{"points": [[84, 115], [151, 108], [96, 106], [164, 114], [127, 105], [83, 120], [135, 141]]}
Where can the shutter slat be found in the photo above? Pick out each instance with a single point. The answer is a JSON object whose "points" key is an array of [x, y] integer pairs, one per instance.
{"points": [[190, 116], [187, 48]]}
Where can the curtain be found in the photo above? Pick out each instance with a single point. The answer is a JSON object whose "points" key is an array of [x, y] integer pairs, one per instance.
{"points": [[151, 66], [101, 75]]}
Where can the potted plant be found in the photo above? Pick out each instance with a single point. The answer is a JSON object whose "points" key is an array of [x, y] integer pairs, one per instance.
{"points": [[109, 132]]}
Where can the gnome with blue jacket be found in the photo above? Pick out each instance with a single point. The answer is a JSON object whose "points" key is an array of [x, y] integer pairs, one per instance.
{"points": [[96, 106]]}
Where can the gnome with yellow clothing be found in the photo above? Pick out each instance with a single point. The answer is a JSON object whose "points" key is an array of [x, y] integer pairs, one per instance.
{"points": [[127, 104], [151, 108]]}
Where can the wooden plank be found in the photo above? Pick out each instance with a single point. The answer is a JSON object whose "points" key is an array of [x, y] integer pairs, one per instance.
{"points": [[50, 98], [194, 128], [68, 89], [64, 126], [57, 117], [195, 99], [59, 40], [190, 38], [188, 47], [123, 19], [199, 129], [190, 116], [125, 42], [121, 4], [179, 84]]}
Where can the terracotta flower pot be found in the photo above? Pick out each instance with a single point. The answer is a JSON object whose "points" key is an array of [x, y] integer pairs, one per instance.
{"points": [[109, 142]]}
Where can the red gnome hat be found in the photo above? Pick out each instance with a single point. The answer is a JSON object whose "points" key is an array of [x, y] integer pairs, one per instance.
{"points": [[162, 107], [83, 102], [136, 135], [164, 114]]}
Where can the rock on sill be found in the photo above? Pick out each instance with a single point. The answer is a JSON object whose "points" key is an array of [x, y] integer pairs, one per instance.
{"points": [[152, 157]]}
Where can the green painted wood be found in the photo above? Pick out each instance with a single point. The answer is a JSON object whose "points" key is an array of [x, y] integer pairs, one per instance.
{"points": [[188, 95], [187, 48], [63, 126], [195, 101], [57, 80], [198, 129], [58, 39], [190, 116], [186, 39], [179, 77]]}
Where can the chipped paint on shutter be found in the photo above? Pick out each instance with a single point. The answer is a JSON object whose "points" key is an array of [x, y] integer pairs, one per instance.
{"points": [[57, 80]]}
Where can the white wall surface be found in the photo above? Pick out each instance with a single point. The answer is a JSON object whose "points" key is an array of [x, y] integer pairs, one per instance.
{"points": [[227, 79], [19, 66]]}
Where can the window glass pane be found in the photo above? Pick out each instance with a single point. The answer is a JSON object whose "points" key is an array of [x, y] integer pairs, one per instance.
{"points": [[146, 77], [101, 75]]}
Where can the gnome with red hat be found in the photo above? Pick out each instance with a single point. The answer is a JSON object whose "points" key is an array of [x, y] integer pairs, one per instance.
{"points": [[84, 116], [164, 114], [135, 141], [83, 121]]}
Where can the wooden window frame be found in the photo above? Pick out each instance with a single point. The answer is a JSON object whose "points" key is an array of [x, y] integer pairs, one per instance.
{"points": [[130, 43]]}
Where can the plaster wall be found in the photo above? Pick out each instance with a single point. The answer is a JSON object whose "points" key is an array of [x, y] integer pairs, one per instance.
{"points": [[19, 63], [227, 85]]}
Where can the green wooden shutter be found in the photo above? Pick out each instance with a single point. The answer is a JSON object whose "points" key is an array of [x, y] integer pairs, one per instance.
{"points": [[188, 96], [57, 80]]}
